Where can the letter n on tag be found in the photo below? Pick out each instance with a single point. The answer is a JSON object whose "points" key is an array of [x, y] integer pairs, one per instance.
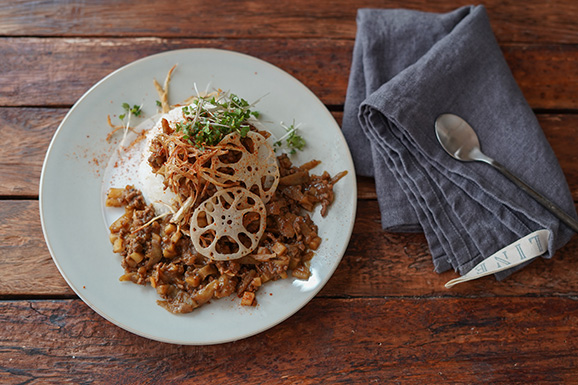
{"points": [[523, 250]]}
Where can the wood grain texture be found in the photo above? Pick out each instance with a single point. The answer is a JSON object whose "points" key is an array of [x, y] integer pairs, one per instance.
{"points": [[376, 263], [26, 135], [28, 132], [25, 261], [56, 72], [39, 70], [528, 21], [382, 340], [384, 316]]}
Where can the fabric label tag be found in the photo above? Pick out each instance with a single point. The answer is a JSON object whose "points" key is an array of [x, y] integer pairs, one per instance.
{"points": [[524, 249]]}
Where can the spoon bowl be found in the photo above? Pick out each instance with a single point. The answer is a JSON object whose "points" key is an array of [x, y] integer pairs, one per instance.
{"points": [[456, 136], [460, 141]]}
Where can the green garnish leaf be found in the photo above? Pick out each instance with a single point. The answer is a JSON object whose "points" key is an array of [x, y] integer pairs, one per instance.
{"points": [[211, 119], [134, 110], [293, 140]]}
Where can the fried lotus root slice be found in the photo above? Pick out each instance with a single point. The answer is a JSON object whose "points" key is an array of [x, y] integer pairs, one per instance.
{"points": [[250, 160], [228, 225]]}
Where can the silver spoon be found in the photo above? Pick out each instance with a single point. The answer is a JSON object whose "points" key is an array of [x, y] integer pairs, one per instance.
{"points": [[459, 140]]}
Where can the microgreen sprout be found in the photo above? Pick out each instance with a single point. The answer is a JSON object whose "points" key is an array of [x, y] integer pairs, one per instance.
{"points": [[292, 139], [210, 118], [134, 110]]}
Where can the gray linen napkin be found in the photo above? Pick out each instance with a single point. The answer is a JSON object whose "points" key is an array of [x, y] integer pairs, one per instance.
{"points": [[408, 68]]}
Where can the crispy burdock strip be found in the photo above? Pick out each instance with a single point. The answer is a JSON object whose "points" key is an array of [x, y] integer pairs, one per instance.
{"points": [[163, 91]]}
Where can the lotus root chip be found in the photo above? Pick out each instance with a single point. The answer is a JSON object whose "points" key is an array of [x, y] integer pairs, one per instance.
{"points": [[251, 160], [229, 224]]}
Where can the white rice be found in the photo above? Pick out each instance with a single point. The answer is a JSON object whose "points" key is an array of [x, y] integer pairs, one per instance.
{"points": [[152, 186]]}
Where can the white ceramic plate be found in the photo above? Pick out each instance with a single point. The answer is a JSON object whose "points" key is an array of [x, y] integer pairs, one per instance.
{"points": [[73, 179]]}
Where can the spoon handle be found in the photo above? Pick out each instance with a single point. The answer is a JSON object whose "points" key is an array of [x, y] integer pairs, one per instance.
{"points": [[557, 211]]}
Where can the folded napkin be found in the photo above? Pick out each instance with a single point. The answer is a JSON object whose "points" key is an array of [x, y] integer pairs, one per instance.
{"points": [[410, 67]]}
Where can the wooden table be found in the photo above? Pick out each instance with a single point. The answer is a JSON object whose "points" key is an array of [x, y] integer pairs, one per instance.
{"points": [[385, 316]]}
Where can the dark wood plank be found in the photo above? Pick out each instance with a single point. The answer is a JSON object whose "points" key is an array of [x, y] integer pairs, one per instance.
{"points": [[28, 131], [528, 21], [25, 262], [564, 142], [519, 340], [56, 72], [376, 263], [385, 316], [26, 134], [545, 74], [49, 72]]}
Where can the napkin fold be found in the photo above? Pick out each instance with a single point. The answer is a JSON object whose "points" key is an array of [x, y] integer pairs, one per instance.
{"points": [[408, 68]]}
